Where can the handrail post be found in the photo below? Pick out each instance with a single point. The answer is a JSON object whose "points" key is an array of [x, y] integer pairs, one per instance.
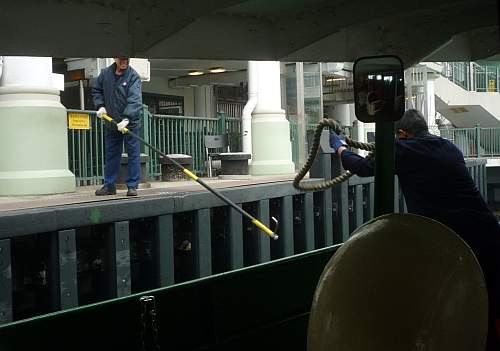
{"points": [[145, 134], [478, 140], [222, 122], [145, 123]]}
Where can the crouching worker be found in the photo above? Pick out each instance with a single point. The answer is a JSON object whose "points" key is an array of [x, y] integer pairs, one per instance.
{"points": [[436, 184]]}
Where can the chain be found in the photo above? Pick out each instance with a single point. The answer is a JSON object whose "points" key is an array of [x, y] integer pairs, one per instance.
{"points": [[154, 326], [149, 327], [334, 126], [143, 330]]}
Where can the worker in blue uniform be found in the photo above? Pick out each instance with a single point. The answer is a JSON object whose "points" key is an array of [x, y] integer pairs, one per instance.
{"points": [[436, 184], [118, 93]]}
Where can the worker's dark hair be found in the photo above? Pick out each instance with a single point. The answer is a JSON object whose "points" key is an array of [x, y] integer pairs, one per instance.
{"points": [[412, 122]]}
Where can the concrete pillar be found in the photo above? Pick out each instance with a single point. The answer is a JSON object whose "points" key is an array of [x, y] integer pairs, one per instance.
{"points": [[246, 119], [358, 133], [352, 114], [33, 130], [204, 101], [431, 102], [199, 101], [271, 147], [341, 113]]}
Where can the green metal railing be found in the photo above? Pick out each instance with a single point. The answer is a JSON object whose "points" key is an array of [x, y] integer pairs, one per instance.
{"points": [[484, 78], [233, 130], [184, 135], [294, 139], [178, 135], [170, 134], [86, 151], [475, 142]]}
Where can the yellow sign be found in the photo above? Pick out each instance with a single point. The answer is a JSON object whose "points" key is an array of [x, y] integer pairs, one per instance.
{"points": [[492, 85], [78, 121]]}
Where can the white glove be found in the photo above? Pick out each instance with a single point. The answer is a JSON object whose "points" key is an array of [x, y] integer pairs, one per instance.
{"points": [[101, 111], [121, 126]]}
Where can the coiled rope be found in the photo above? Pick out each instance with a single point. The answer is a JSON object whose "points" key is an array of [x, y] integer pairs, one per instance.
{"points": [[332, 125]]}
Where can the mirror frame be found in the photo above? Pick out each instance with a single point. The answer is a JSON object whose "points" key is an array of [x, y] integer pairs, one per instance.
{"points": [[362, 113]]}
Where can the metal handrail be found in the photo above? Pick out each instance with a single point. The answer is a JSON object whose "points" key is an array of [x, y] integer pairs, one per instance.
{"points": [[472, 76], [154, 115], [169, 133]]}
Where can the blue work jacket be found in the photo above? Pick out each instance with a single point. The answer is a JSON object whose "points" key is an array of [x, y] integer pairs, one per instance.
{"points": [[121, 95], [436, 184]]}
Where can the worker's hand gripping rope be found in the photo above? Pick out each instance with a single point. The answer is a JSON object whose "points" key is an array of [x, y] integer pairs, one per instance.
{"points": [[336, 142]]}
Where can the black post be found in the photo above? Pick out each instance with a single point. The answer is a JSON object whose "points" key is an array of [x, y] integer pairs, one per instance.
{"points": [[384, 167]]}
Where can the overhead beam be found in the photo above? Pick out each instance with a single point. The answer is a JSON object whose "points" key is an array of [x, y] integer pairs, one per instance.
{"points": [[324, 30]]}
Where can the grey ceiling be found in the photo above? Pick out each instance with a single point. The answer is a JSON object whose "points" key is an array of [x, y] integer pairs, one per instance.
{"points": [[287, 30]]}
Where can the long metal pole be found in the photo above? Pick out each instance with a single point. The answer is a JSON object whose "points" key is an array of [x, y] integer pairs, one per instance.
{"points": [[191, 175]]}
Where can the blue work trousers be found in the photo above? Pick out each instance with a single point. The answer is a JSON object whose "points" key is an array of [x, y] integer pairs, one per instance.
{"points": [[114, 147]]}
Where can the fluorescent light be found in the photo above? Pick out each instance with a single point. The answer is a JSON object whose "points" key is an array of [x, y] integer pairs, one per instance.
{"points": [[334, 79], [195, 73], [217, 70]]}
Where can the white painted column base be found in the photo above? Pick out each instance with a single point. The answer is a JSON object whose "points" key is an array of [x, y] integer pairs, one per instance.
{"points": [[34, 140], [272, 150]]}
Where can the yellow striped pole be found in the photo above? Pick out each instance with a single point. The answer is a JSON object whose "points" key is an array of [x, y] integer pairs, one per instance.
{"points": [[191, 175]]}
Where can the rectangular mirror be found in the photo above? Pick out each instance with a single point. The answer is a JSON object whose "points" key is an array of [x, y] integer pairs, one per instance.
{"points": [[379, 91]]}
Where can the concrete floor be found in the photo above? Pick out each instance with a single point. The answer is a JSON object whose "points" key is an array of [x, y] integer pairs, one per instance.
{"points": [[85, 194]]}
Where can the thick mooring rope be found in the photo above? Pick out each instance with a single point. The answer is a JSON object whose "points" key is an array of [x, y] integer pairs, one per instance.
{"points": [[332, 125]]}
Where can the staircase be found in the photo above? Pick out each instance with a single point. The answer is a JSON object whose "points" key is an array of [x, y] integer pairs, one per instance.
{"points": [[466, 94]]}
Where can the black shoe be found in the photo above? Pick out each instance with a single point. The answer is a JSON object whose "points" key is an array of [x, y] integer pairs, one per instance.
{"points": [[105, 191], [132, 192]]}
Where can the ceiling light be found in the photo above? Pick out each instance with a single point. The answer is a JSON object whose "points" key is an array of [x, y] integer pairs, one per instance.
{"points": [[217, 70], [195, 73], [334, 79]]}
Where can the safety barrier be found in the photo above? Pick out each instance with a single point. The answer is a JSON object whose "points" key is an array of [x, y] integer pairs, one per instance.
{"points": [[170, 134], [295, 142], [73, 255], [86, 150], [184, 135], [473, 76], [181, 134], [475, 142]]}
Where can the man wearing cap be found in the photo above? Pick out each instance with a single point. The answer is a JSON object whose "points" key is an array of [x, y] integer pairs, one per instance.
{"points": [[118, 93]]}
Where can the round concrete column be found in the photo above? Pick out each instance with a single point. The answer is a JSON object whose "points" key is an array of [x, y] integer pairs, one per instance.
{"points": [[358, 133], [33, 128], [431, 103], [341, 113], [246, 116], [271, 147], [203, 104]]}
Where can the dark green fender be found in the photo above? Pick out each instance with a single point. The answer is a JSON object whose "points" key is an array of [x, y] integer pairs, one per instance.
{"points": [[256, 308]]}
